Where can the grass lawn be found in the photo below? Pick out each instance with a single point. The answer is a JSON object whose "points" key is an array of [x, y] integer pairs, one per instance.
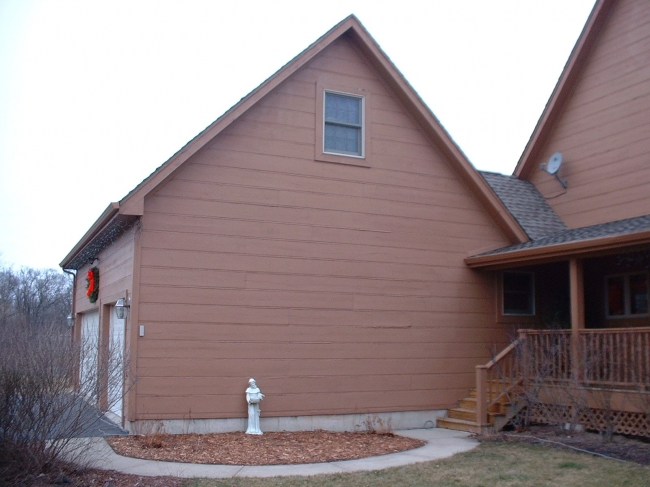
{"points": [[491, 464]]}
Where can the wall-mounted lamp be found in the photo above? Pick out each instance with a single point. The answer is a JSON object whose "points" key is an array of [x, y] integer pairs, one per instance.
{"points": [[121, 308], [71, 319]]}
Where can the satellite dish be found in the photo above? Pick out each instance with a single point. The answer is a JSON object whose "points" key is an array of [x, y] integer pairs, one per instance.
{"points": [[554, 163], [553, 166]]}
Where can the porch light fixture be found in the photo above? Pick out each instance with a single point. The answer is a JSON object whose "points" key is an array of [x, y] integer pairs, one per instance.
{"points": [[70, 320], [121, 308]]}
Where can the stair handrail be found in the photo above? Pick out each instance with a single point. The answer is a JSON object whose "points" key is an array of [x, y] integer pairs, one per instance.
{"points": [[484, 387]]}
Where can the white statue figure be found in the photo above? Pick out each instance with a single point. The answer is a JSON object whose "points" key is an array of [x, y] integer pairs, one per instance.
{"points": [[253, 398]]}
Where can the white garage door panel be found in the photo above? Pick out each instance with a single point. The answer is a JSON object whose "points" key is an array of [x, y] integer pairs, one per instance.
{"points": [[89, 355], [116, 378]]}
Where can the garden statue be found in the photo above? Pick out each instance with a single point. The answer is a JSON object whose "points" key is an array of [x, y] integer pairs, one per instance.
{"points": [[253, 398]]}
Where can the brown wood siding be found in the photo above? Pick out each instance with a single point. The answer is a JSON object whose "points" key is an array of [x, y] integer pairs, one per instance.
{"points": [[341, 289], [604, 133], [115, 265]]}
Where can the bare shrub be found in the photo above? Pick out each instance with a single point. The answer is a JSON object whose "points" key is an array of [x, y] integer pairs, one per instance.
{"points": [[377, 426], [41, 410], [640, 397], [545, 369], [152, 434], [577, 385]]}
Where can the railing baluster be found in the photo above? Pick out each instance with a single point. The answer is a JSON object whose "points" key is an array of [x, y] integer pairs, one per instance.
{"points": [[646, 379], [617, 357], [625, 370], [598, 352], [585, 338], [636, 357], [610, 358], [595, 345]]}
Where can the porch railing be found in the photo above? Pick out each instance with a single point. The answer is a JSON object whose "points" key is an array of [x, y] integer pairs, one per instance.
{"points": [[546, 354], [613, 358], [617, 358], [495, 380]]}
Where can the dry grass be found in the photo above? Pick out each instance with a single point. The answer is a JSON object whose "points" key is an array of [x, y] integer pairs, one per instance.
{"points": [[489, 465]]}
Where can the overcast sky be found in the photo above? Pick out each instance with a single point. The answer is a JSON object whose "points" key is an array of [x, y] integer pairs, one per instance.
{"points": [[95, 95]]}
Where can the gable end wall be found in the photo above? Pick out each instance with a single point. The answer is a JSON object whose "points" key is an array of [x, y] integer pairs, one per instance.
{"points": [[340, 288], [604, 132]]}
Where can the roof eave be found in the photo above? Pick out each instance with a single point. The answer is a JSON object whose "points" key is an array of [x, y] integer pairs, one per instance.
{"points": [[538, 255], [564, 87], [133, 203], [135, 197], [108, 214], [380, 60]]}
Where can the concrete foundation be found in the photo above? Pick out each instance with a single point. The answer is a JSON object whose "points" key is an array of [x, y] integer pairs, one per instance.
{"points": [[401, 420]]}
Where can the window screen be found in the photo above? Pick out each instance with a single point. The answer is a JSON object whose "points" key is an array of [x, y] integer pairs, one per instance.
{"points": [[343, 124]]}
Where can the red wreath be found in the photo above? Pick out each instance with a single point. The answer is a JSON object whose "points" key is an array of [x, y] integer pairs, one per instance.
{"points": [[92, 284]]}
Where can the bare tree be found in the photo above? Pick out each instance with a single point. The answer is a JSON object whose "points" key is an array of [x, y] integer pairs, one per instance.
{"points": [[42, 410], [34, 296]]}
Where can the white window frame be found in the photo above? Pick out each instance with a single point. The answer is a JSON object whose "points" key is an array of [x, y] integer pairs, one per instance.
{"points": [[503, 293], [362, 127], [627, 296]]}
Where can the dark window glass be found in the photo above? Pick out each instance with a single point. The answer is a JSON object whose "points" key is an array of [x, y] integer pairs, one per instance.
{"points": [[518, 293], [616, 296], [639, 294], [627, 295]]}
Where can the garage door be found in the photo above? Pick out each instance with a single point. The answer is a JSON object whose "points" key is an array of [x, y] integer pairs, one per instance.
{"points": [[89, 355], [116, 376]]}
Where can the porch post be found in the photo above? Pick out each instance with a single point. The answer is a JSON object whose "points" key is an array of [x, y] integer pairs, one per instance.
{"points": [[481, 395], [576, 284]]}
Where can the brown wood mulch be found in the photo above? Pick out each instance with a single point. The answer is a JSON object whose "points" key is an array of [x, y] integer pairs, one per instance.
{"points": [[229, 449], [281, 448]]}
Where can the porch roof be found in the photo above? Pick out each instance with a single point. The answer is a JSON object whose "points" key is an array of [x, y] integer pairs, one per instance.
{"points": [[570, 242]]}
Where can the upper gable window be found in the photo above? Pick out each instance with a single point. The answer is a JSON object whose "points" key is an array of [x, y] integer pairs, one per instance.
{"points": [[343, 124]]}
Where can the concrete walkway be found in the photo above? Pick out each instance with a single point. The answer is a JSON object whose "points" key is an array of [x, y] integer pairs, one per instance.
{"points": [[441, 443]]}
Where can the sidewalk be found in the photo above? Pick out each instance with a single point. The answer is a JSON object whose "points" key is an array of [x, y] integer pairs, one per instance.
{"points": [[441, 443]]}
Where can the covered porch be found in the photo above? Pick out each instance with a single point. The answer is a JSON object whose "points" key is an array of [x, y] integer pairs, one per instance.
{"points": [[578, 311]]}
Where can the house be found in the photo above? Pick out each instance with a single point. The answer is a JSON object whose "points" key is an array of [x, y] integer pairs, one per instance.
{"points": [[592, 275], [327, 237]]}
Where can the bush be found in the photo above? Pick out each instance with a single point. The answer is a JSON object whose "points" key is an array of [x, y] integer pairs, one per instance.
{"points": [[42, 410]]}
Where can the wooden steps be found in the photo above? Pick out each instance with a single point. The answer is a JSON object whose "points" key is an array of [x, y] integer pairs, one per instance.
{"points": [[463, 417], [459, 424]]}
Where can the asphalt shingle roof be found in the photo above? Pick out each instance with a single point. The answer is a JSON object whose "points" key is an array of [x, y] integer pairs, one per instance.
{"points": [[609, 229], [526, 204]]}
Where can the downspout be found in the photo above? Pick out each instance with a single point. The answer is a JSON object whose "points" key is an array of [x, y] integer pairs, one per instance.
{"points": [[74, 295], [75, 373]]}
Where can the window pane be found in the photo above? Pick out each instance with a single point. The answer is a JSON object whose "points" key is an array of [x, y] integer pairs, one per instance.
{"points": [[342, 139], [639, 294], [616, 296], [518, 293], [340, 108]]}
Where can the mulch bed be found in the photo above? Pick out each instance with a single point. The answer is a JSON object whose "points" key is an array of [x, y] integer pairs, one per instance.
{"points": [[282, 448], [621, 447]]}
